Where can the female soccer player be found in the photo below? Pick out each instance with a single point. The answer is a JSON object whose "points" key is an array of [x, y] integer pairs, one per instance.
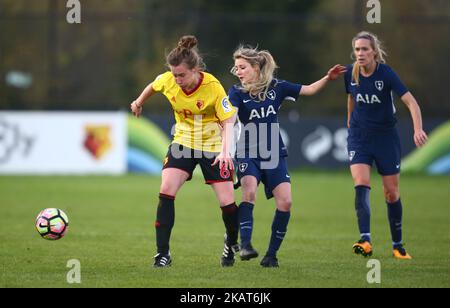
{"points": [[261, 157], [373, 137], [202, 112]]}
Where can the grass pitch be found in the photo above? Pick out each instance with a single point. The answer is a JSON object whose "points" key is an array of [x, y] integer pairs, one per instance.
{"points": [[112, 235]]}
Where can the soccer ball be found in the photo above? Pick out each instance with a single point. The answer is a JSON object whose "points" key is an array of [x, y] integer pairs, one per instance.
{"points": [[52, 224]]}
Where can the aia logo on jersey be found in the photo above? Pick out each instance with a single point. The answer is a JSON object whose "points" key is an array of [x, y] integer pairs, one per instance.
{"points": [[200, 104], [367, 99], [262, 112], [379, 84]]}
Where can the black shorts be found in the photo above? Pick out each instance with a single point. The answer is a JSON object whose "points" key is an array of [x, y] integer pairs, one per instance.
{"points": [[186, 159]]}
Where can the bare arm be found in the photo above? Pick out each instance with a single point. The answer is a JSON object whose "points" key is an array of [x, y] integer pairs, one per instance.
{"points": [[315, 87], [136, 105], [420, 137], [224, 159], [350, 107]]}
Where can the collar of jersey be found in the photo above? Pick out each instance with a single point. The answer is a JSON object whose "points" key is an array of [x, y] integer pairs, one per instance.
{"points": [[196, 87], [373, 73]]}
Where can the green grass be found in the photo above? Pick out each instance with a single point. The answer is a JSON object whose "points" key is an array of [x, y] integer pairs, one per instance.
{"points": [[112, 235]]}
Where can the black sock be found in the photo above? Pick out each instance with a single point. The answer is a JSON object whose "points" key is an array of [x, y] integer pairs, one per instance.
{"points": [[395, 213], [230, 216], [246, 222], [279, 229], [165, 219], [362, 207]]}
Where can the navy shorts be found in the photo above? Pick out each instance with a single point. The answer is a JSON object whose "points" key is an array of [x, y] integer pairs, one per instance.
{"points": [[271, 178], [381, 147]]}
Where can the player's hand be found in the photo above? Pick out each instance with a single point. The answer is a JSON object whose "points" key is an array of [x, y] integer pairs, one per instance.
{"points": [[225, 162], [336, 71], [420, 138], [136, 108]]}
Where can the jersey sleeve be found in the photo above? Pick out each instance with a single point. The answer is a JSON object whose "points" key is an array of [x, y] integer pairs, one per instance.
{"points": [[347, 79], [396, 84], [234, 97], [160, 81], [224, 109], [291, 91]]}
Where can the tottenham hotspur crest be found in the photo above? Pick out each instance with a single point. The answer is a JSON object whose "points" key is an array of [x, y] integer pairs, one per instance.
{"points": [[272, 95], [243, 167], [379, 84], [351, 155]]}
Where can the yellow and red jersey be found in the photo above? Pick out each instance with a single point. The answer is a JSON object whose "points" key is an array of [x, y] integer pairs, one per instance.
{"points": [[197, 113]]}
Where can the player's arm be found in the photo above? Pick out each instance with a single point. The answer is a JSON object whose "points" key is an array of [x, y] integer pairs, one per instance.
{"points": [[225, 159], [420, 137], [315, 87], [137, 104], [350, 107]]}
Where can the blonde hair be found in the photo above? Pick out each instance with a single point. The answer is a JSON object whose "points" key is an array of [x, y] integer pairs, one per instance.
{"points": [[376, 45], [186, 52], [261, 59]]}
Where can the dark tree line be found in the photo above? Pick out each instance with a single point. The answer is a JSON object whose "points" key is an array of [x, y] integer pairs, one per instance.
{"points": [[120, 46]]}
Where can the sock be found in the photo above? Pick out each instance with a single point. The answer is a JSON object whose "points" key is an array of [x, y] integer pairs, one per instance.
{"points": [[246, 222], [230, 218], [279, 229], [395, 213], [362, 207], [165, 219]]}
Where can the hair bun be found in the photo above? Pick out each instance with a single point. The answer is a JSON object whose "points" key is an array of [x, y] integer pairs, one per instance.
{"points": [[188, 42]]}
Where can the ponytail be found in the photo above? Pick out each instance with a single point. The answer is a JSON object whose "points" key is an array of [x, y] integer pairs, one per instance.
{"points": [[263, 60]]}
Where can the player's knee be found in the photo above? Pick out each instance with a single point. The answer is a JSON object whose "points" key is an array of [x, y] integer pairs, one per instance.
{"points": [[249, 196], [391, 194], [361, 181], [284, 205], [224, 201], [167, 189]]}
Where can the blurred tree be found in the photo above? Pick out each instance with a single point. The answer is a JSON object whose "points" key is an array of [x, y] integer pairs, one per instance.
{"points": [[120, 46], [415, 34]]}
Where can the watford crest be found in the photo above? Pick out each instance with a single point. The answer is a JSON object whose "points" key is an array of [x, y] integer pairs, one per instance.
{"points": [[97, 140]]}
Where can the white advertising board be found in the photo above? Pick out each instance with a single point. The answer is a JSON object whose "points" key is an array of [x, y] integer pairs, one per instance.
{"points": [[63, 143]]}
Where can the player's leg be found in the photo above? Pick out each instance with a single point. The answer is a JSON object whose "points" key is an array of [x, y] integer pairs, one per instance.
{"points": [[221, 181], [395, 214], [361, 156], [388, 158], [176, 171], [225, 194], [222, 184], [172, 180], [277, 184], [283, 199], [249, 184], [361, 179]]}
